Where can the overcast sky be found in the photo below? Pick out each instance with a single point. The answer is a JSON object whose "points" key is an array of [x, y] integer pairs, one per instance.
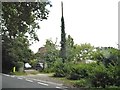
{"points": [[87, 21]]}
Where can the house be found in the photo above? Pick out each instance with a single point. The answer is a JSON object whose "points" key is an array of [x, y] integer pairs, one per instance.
{"points": [[42, 50], [41, 62]]}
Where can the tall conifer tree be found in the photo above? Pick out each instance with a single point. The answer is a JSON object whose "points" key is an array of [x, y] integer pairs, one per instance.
{"points": [[63, 38]]}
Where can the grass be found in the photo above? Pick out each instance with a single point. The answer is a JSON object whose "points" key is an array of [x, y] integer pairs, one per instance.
{"points": [[63, 79], [33, 73], [72, 83], [67, 82], [24, 73], [18, 73]]}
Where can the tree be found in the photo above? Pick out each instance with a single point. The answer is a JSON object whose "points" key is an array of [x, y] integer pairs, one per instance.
{"points": [[83, 52], [69, 48], [51, 53], [110, 56], [69, 42], [20, 17], [18, 20], [63, 38]]}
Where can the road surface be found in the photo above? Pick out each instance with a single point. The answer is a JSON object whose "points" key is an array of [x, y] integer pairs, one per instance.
{"points": [[11, 81]]}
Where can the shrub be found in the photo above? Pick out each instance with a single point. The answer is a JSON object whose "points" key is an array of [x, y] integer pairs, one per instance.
{"points": [[60, 70], [48, 70], [81, 83], [77, 72], [114, 74], [100, 79], [113, 88], [117, 79], [99, 76], [20, 66], [102, 76]]}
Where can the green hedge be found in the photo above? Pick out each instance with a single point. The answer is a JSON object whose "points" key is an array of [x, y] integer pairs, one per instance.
{"points": [[77, 72], [59, 69], [97, 74], [20, 66]]}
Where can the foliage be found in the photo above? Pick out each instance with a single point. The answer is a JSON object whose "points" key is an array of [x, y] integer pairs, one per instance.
{"points": [[114, 74], [17, 22], [110, 56], [89, 75], [69, 49], [97, 55], [100, 79], [33, 62], [83, 52], [60, 70], [14, 51], [97, 73], [18, 28], [63, 38], [51, 53], [19, 66], [77, 72], [105, 76], [48, 70], [81, 83]]}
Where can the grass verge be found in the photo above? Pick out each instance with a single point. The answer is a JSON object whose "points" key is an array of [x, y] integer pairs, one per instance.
{"points": [[18, 73]]}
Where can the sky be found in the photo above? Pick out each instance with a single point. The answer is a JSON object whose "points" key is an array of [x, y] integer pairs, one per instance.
{"points": [[87, 21]]}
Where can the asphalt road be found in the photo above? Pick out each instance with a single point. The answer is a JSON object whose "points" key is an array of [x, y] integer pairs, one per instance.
{"points": [[10, 81]]}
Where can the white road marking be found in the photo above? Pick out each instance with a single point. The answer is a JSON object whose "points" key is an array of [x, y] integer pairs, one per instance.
{"points": [[19, 78], [43, 83], [58, 87], [29, 80], [6, 75], [64, 89], [47, 82], [12, 76], [35, 79]]}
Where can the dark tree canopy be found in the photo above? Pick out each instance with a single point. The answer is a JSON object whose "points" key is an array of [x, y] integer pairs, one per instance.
{"points": [[19, 20], [20, 17]]}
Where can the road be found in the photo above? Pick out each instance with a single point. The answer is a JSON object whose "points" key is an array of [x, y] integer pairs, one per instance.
{"points": [[11, 81]]}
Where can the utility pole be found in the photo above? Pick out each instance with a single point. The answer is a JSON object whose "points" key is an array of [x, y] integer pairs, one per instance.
{"points": [[63, 38]]}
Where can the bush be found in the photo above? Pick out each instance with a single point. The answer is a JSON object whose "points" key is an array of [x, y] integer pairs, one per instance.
{"points": [[99, 76], [81, 83], [60, 70], [48, 70], [102, 76], [20, 66], [100, 79], [117, 78], [78, 71], [114, 74], [113, 88]]}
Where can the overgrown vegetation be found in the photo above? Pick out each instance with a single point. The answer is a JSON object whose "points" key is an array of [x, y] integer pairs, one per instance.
{"points": [[103, 73]]}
